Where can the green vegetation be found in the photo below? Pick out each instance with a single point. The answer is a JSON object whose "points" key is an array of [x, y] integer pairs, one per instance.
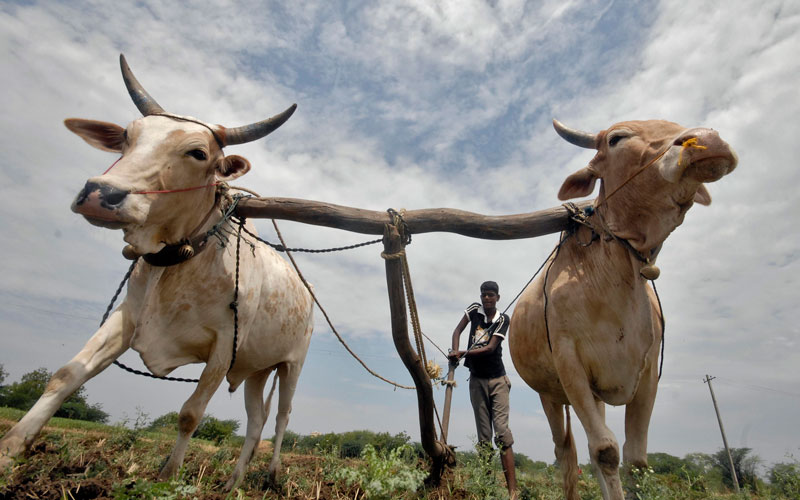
{"points": [[384, 475], [23, 395], [77, 459]]}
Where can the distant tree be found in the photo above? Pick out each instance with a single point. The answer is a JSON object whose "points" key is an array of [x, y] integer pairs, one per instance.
{"points": [[702, 461], [3, 374], [744, 465], [214, 429], [166, 422], [664, 463], [26, 392]]}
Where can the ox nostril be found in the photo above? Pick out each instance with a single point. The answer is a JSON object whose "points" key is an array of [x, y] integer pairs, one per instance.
{"points": [[680, 141], [112, 197], [86, 191]]}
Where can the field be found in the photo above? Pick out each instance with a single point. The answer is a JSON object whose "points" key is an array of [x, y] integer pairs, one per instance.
{"points": [[75, 460]]}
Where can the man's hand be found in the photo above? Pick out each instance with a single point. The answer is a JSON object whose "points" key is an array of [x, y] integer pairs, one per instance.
{"points": [[455, 356]]}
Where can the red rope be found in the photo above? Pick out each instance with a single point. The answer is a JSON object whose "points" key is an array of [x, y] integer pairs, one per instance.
{"points": [[112, 166]]}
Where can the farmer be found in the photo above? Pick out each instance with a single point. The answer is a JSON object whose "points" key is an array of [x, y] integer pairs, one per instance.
{"points": [[488, 383]]}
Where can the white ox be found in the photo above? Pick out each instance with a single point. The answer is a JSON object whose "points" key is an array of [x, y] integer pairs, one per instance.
{"points": [[598, 340], [179, 314]]}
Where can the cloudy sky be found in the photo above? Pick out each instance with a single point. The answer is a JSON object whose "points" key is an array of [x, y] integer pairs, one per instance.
{"points": [[416, 104]]}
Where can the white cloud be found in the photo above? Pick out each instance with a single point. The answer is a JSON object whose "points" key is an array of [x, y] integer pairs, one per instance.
{"points": [[414, 105]]}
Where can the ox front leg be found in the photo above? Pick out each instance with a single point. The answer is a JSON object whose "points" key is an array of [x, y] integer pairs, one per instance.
{"points": [[192, 411], [603, 447], [637, 420], [257, 412], [106, 345], [288, 374]]}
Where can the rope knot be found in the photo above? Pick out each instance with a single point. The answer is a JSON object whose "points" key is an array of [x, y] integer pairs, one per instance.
{"points": [[392, 256], [434, 371]]}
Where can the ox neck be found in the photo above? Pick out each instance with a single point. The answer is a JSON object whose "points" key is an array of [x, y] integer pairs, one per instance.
{"points": [[198, 240]]}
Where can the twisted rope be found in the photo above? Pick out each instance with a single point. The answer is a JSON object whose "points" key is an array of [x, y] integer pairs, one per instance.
{"points": [[327, 318]]}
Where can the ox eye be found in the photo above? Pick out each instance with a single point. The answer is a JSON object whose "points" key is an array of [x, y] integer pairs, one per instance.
{"points": [[198, 154], [615, 139]]}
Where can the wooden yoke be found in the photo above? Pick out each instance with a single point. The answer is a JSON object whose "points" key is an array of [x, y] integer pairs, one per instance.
{"points": [[499, 227], [429, 220]]}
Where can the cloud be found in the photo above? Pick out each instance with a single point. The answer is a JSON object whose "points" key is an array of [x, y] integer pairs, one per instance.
{"points": [[414, 105]]}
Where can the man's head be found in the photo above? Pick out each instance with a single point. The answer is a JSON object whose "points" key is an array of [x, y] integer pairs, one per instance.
{"points": [[490, 293]]}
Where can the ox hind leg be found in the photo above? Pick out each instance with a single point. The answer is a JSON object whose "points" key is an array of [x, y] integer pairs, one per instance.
{"points": [[106, 345], [192, 411], [564, 445], [257, 413], [288, 374]]}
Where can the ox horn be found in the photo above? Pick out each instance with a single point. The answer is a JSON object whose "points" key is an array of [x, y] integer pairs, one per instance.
{"points": [[249, 133], [576, 137], [146, 104]]}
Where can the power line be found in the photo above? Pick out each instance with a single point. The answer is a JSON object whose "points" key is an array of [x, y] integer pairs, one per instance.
{"points": [[758, 387]]}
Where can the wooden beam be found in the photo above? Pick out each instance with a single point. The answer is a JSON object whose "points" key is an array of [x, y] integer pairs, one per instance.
{"points": [[490, 227]]}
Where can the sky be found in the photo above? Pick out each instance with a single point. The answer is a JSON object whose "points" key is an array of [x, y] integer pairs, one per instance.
{"points": [[416, 104]]}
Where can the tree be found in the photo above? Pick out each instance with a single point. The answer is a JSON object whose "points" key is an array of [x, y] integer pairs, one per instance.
{"points": [[744, 465], [26, 392], [3, 375], [214, 429]]}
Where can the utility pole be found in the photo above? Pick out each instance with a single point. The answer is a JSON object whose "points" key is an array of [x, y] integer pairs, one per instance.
{"points": [[722, 430]]}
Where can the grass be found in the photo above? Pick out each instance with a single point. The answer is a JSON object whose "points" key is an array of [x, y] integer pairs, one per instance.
{"points": [[75, 460]]}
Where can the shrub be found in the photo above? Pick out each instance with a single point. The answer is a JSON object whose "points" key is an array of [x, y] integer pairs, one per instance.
{"points": [[384, 474], [785, 479]]}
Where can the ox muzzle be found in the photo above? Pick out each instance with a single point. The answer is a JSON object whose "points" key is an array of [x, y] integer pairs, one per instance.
{"points": [[100, 204], [703, 156]]}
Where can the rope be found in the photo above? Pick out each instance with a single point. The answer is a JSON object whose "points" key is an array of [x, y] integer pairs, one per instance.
{"points": [[235, 304], [105, 317], [324, 313]]}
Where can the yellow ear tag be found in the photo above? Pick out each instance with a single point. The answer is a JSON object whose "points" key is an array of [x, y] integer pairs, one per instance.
{"points": [[689, 143]]}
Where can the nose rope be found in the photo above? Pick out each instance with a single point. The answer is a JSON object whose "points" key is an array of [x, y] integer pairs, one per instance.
{"points": [[112, 166], [163, 191], [689, 143]]}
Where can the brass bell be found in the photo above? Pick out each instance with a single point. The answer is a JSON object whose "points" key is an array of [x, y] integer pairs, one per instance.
{"points": [[186, 251], [650, 272], [129, 253]]}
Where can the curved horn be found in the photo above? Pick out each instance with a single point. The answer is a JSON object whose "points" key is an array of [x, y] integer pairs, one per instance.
{"points": [[249, 133], [576, 137], [146, 104]]}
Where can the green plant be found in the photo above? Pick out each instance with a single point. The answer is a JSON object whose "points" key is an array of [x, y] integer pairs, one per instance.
{"points": [[785, 479], [481, 470], [135, 489], [384, 474]]}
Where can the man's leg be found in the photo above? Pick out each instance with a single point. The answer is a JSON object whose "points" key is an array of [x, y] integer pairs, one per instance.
{"points": [[499, 394], [481, 406]]}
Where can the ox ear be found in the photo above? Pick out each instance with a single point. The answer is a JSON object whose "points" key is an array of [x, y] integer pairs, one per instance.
{"points": [[231, 167], [102, 135], [702, 196], [578, 185]]}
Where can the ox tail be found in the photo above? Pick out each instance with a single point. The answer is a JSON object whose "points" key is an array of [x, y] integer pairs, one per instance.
{"points": [[268, 402], [569, 460]]}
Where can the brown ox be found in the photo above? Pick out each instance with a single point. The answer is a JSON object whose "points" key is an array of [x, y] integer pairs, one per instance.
{"points": [[179, 314], [587, 332]]}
